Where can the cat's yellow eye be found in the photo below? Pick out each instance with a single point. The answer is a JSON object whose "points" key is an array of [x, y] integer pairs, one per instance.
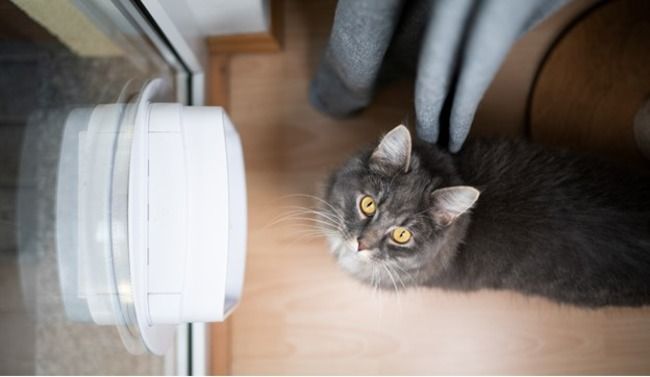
{"points": [[368, 206], [401, 235]]}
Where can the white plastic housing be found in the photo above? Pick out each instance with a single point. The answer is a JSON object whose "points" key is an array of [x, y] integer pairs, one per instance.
{"points": [[151, 217], [187, 217], [196, 212]]}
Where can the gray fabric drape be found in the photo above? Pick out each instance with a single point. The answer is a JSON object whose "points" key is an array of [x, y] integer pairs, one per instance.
{"points": [[454, 48]]}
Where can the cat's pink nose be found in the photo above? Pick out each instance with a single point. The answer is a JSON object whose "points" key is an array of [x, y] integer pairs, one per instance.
{"points": [[361, 245]]}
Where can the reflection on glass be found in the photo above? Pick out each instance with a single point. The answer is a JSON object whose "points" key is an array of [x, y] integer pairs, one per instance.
{"points": [[59, 261], [91, 218]]}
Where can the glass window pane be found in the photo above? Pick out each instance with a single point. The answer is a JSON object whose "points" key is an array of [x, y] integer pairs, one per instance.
{"points": [[58, 59]]}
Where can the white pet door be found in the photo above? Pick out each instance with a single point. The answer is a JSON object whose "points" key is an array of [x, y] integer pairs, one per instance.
{"points": [[150, 217], [122, 208]]}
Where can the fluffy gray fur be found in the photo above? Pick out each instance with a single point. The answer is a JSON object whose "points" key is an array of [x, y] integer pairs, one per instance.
{"points": [[547, 222]]}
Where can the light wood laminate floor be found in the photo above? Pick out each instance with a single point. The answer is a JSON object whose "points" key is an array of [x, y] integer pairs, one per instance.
{"points": [[301, 315]]}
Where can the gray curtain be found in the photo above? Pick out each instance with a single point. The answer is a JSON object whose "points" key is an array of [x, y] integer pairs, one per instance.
{"points": [[452, 47]]}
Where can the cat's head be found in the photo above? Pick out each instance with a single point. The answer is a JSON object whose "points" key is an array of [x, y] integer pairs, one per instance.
{"points": [[395, 214]]}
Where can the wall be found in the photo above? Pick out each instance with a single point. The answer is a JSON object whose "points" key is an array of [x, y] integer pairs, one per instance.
{"points": [[225, 17]]}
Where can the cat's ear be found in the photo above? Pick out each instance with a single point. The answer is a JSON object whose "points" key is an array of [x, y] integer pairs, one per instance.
{"points": [[393, 154], [451, 202]]}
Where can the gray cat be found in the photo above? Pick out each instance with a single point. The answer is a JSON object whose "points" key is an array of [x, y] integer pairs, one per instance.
{"points": [[498, 215]]}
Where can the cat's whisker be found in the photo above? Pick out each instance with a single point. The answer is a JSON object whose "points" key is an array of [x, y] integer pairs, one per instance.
{"points": [[402, 270], [324, 217], [318, 221], [290, 215], [329, 219], [328, 215], [397, 291], [318, 212], [324, 231], [316, 232], [307, 227], [300, 217], [397, 276], [390, 275], [316, 229], [277, 220], [334, 209], [376, 281]]}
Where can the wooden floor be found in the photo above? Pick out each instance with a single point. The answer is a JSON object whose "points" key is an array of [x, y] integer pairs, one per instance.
{"points": [[301, 315]]}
